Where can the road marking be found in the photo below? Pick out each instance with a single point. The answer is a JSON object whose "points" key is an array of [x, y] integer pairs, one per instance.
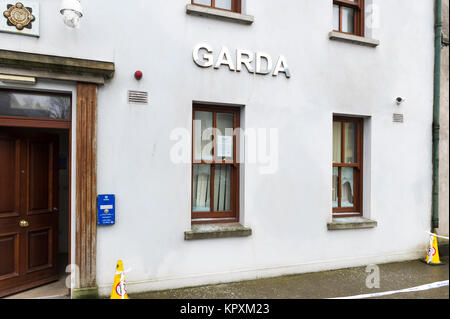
{"points": [[433, 285]]}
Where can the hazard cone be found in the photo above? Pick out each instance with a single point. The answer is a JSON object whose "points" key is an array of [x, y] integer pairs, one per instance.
{"points": [[119, 290], [432, 257]]}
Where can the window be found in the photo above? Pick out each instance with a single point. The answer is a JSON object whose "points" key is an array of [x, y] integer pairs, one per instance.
{"points": [[347, 166], [348, 16], [34, 105], [229, 5], [215, 168]]}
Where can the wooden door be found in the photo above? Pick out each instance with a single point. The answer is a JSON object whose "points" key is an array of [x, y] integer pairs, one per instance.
{"points": [[28, 209]]}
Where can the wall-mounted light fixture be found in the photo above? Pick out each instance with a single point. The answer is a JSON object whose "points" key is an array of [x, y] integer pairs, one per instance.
{"points": [[400, 100], [72, 12]]}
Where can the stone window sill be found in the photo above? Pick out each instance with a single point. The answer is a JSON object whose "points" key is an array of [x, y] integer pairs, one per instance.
{"points": [[219, 230], [339, 36], [351, 223], [219, 14]]}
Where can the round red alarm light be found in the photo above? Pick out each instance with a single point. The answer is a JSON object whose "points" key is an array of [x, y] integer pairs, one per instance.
{"points": [[138, 75]]}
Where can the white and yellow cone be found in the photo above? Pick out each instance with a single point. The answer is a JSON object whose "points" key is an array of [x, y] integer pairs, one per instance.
{"points": [[119, 289], [432, 257]]}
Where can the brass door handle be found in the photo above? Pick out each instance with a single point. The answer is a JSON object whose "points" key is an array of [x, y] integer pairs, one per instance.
{"points": [[24, 223]]}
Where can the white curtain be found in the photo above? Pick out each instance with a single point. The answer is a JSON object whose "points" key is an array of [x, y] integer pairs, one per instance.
{"points": [[201, 188], [222, 185]]}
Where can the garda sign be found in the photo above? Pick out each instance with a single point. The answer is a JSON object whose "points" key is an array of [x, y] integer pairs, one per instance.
{"points": [[106, 210], [254, 62]]}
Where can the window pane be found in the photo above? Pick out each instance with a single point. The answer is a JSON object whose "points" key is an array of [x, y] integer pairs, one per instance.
{"points": [[223, 4], [348, 19], [337, 142], [203, 135], [222, 187], [335, 17], [347, 187], [350, 142], [224, 133], [201, 189], [204, 2], [335, 186], [34, 105]]}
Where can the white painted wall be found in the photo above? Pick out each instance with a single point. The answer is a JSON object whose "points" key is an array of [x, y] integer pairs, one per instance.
{"points": [[288, 211]]}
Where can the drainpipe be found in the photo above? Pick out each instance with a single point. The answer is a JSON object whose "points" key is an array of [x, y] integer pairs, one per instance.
{"points": [[436, 113]]}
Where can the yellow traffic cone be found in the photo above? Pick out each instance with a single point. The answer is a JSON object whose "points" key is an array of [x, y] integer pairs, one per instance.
{"points": [[119, 290], [432, 257]]}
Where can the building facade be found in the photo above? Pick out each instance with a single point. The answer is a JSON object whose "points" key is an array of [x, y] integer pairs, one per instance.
{"points": [[260, 138]]}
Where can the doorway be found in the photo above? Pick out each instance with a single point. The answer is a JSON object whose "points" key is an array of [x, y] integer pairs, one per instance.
{"points": [[34, 199]]}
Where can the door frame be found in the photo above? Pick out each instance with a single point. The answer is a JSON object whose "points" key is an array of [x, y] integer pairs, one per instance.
{"points": [[83, 214], [42, 123], [87, 75]]}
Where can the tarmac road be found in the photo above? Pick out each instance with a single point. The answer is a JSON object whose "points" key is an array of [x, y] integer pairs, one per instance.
{"points": [[328, 284]]}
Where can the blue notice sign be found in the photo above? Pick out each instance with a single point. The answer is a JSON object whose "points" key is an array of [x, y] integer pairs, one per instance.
{"points": [[106, 210]]}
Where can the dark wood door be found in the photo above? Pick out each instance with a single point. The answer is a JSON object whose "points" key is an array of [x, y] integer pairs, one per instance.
{"points": [[28, 209]]}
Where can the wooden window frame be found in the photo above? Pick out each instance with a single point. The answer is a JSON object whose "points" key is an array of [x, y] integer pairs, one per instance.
{"points": [[357, 209], [220, 216], [358, 20], [236, 5]]}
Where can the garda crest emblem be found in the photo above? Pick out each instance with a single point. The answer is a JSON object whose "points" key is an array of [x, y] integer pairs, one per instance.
{"points": [[19, 16]]}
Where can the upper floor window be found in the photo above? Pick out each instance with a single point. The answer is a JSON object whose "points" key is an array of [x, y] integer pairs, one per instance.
{"points": [[348, 16], [229, 5]]}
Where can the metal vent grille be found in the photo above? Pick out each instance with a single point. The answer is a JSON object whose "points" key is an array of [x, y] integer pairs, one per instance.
{"points": [[398, 118], [137, 97]]}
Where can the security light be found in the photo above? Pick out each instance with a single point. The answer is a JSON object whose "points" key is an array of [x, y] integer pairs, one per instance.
{"points": [[72, 12], [400, 100]]}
